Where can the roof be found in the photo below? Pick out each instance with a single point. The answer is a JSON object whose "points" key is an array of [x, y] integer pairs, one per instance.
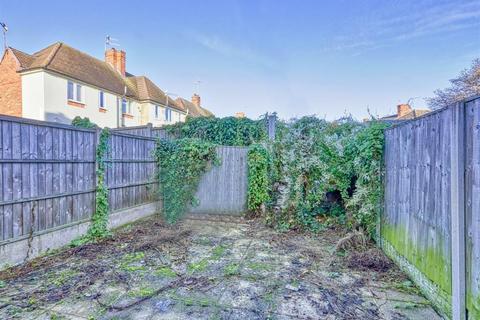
{"points": [[192, 109], [415, 113], [63, 59], [147, 90]]}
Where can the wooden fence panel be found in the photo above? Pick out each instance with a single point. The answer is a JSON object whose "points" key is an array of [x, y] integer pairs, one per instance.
{"points": [[144, 131], [472, 203], [47, 176], [223, 189], [416, 220], [130, 173]]}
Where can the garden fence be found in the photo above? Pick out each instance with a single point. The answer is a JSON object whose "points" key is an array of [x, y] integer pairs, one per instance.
{"points": [[431, 219], [47, 175]]}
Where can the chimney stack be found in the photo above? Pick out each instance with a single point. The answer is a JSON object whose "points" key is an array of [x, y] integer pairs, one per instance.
{"points": [[403, 109], [117, 59], [196, 100]]}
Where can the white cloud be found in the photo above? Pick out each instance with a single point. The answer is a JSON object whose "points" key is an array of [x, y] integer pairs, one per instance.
{"points": [[421, 19], [220, 46]]}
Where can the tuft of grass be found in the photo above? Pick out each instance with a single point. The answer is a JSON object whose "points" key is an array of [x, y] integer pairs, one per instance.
{"points": [[231, 269], [58, 279], [165, 272], [407, 286], [142, 292], [218, 252], [201, 301], [199, 266], [259, 266]]}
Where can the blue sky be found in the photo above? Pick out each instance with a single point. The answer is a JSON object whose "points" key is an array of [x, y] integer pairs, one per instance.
{"points": [[294, 57]]}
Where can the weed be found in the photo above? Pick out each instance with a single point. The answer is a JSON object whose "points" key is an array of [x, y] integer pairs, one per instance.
{"points": [[165, 272], [259, 266], [133, 257], [199, 266], [129, 260], [200, 301], [231, 269], [32, 301], [407, 286], [54, 316], [142, 292], [60, 278], [2, 284], [131, 268], [217, 252]]}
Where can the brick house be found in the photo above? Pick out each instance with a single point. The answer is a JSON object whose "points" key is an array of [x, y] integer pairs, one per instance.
{"points": [[59, 82]]}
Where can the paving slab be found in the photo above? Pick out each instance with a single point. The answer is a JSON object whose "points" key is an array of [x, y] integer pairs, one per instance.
{"points": [[206, 267]]}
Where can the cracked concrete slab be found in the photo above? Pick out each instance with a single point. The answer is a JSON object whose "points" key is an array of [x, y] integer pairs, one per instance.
{"points": [[206, 267]]}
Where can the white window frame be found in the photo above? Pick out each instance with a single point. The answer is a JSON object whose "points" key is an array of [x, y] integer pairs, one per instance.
{"points": [[156, 111], [128, 106], [75, 91], [168, 114]]}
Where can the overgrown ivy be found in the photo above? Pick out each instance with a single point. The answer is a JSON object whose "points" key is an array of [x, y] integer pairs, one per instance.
{"points": [[83, 122], [181, 164], [324, 172], [99, 223], [258, 162], [229, 131]]}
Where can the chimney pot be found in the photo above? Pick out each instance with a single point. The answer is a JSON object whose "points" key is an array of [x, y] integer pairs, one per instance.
{"points": [[403, 109], [196, 100], [117, 59]]}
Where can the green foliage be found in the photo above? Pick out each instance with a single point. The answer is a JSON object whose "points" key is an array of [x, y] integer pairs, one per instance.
{"points": [[258, 162], [165, 272], [181, 164], [99, 224], [232, 269], [83, 122], [229, 131], [326, 172]]}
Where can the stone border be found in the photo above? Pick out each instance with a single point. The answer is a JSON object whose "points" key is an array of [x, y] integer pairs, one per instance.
{"points": [[440, 300], [26, 248]]}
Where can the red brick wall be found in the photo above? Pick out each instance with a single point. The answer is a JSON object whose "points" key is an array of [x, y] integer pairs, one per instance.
{"points": [[10, 86]]}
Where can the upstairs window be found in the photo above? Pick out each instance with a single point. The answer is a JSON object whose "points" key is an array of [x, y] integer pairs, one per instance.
{"points": [[126, 106], [101, 99], [74, 91], [157, 112], [79, 92], [168, 114], [70, 90]]}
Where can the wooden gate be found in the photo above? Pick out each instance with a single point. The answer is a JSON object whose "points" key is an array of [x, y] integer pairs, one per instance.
{"points": [[223, 190]]}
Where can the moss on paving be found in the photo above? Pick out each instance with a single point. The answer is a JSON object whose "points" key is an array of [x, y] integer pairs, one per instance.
{"points": [[243, 273]]}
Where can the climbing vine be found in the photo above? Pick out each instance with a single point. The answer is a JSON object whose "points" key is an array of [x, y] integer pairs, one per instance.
{"points": [[326, 172], [258, 162], [229, 131], [181, 164], [99, 224]]}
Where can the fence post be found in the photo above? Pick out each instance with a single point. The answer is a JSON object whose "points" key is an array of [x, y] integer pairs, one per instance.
{"points": [[272, 119], [95, 170], [458, 211], [150, 129]]}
